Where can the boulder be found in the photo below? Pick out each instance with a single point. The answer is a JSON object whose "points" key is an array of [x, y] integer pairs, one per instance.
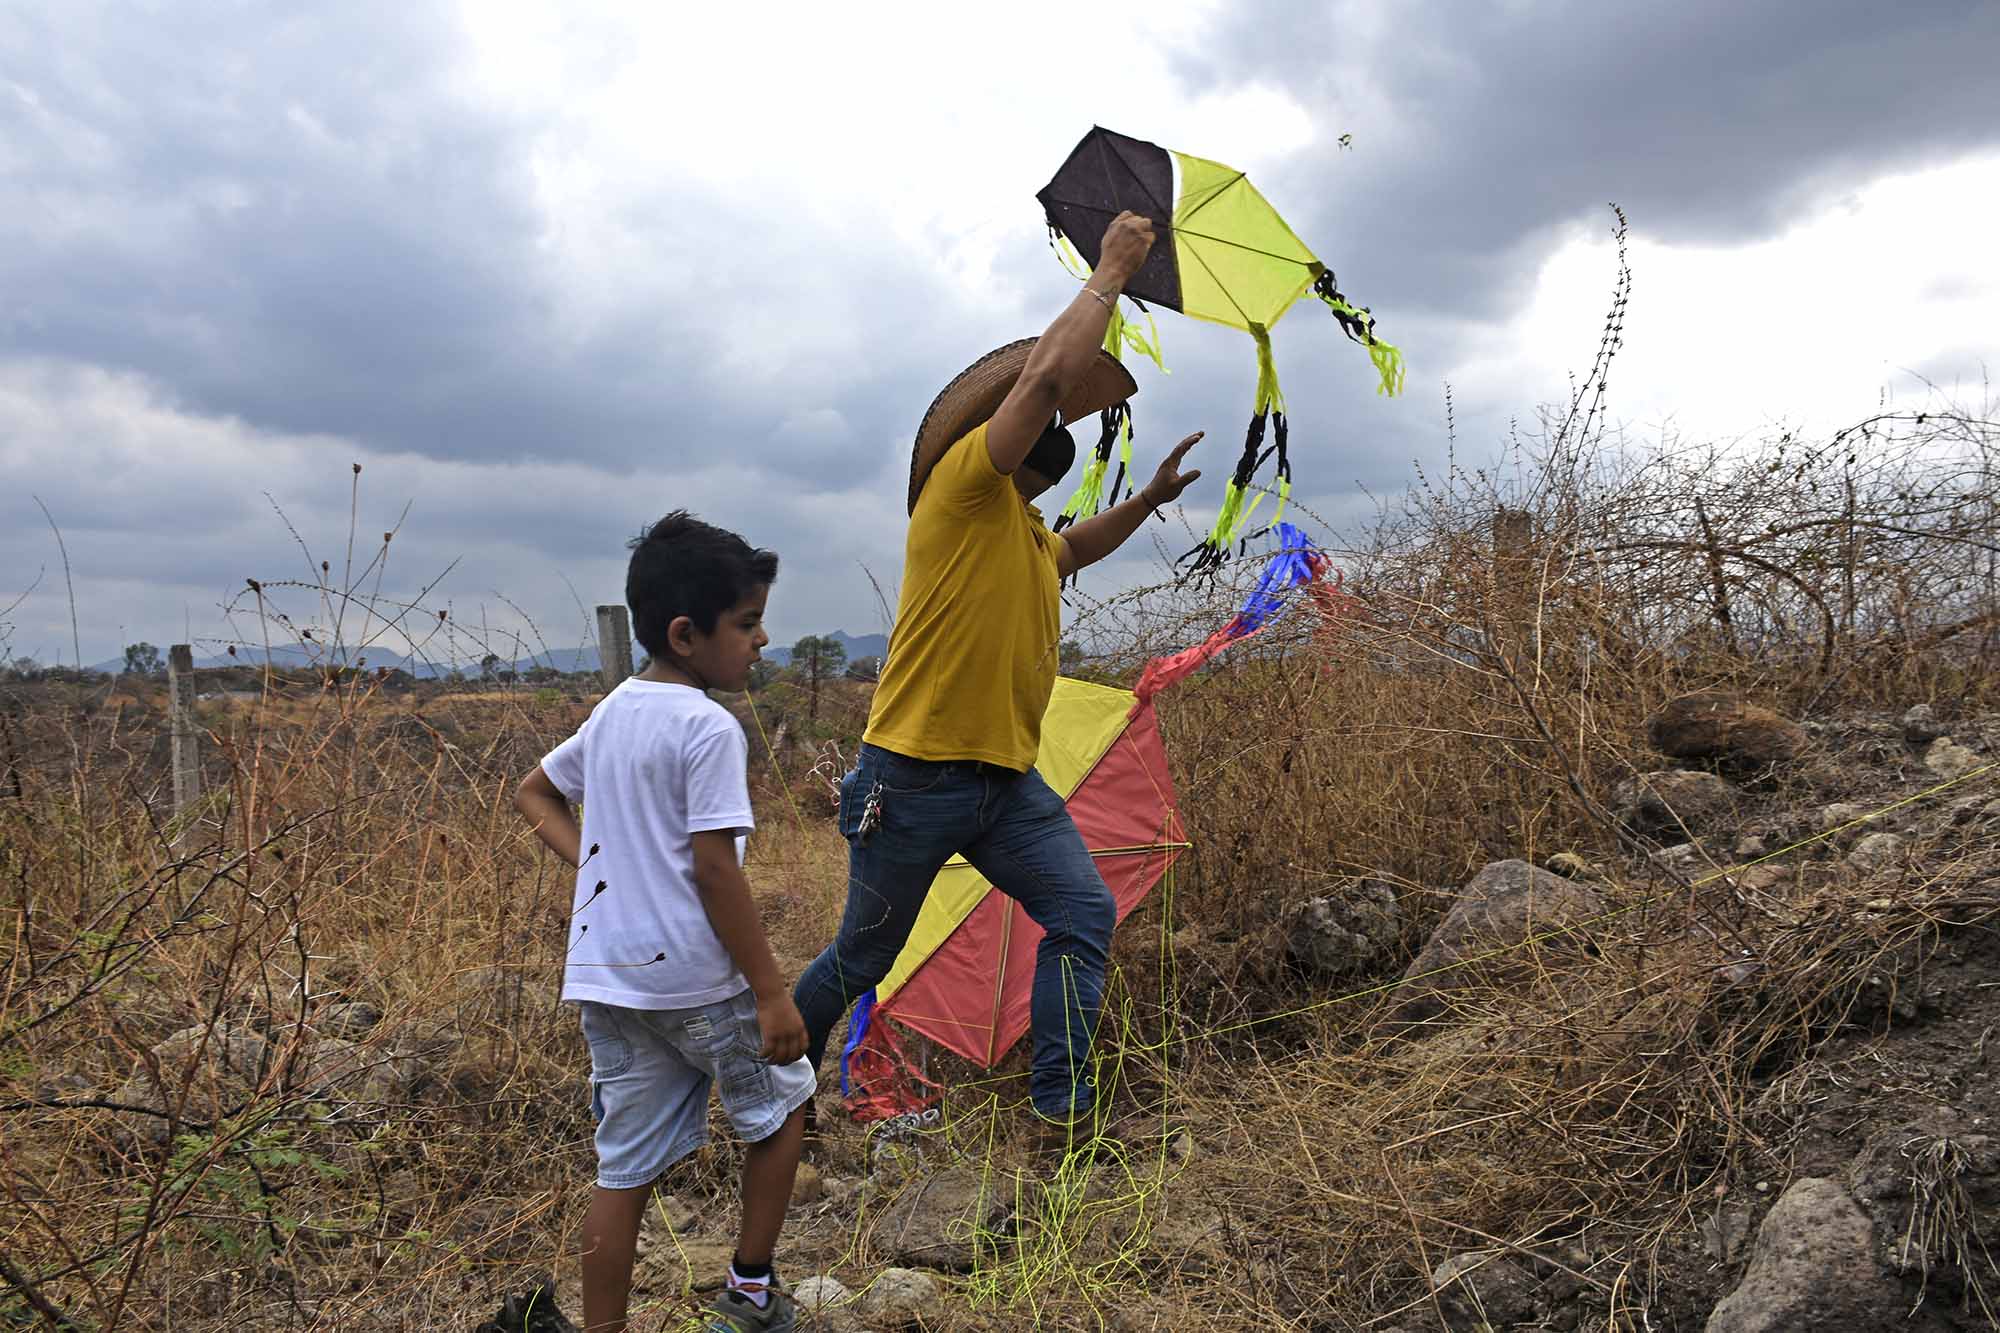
{"points": [[1932, 1186], [1496, 1288], [1346, 933], [684, 1265], [1727, 731], [218, 1068], [361, 1073], [944, 1220], [1813, 1266], [1877, 851], [1505, 904], [1678, 802], [1570, 865], [1948, 759], [817, 1295], [349, 1021], [533, 1310], [1920, 725], [901, 1295]]}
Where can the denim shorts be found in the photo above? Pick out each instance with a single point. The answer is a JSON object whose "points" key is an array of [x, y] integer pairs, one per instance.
{"points": [[650, 1073]]}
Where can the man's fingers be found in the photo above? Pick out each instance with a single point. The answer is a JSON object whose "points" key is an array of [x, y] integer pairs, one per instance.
{"points": [[1190, 478]]}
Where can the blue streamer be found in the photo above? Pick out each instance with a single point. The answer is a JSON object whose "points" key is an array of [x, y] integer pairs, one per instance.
{"points": [[857, 1030], [1287, 569]]}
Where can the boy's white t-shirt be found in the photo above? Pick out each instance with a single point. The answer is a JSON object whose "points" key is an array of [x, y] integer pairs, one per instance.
{"points": [[652, 765]]}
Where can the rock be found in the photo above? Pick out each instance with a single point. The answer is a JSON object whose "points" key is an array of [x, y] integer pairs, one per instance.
{"points": [[1484, 1288], [1504, 904], [1348, 933], [1813, 1266], [668, 1219], [1949, 760], [684, 1265], [1682, 858], [1569, 865], [359, 1072], [1762, 879], [1751, 846], [1674, 801], [807, 1187], [439, 1042], [900, 1294], [816, 1295], [1941, 1166], [350, 1021], [1979, 809], [1734, 734], [217, 1067], [1877, 851], [944, 1220], [1840, 812], [1496, 1288], [1920, 725], [531, 1311]]}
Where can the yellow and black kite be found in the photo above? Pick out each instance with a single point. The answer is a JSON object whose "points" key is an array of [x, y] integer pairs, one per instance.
{"points": [[1221, 253]]}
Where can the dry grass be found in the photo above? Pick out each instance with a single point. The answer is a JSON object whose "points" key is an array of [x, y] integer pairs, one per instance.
{"points": [[1480, 704]]}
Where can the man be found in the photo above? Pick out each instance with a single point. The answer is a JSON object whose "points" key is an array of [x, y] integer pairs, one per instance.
{"points": [[947, 762]]}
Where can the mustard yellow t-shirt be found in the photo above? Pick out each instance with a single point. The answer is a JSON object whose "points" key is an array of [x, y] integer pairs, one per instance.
{"points": [[974, 652]]}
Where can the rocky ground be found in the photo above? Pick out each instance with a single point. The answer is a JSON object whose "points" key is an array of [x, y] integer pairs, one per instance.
{"points": [[1870, 1171]]}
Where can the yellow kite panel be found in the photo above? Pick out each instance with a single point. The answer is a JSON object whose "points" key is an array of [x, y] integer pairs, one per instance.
{"points": [[1079, 725]]}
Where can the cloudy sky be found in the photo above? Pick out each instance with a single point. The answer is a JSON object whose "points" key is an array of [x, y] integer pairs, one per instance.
{"points": [[545, 271]]}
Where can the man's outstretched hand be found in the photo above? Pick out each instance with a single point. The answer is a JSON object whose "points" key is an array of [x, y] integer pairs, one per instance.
{"points": [[1169, 481]]}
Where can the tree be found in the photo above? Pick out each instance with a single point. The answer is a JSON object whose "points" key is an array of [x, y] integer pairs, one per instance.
{"points": [[818, 657], [489, 666], [865, 668], [142, 659]]}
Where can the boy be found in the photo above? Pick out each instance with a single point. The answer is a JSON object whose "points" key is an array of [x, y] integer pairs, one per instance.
{"points": [[667, 957]]}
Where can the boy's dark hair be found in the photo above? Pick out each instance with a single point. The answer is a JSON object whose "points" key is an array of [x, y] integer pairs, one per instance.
{"points": [[682, 566]]}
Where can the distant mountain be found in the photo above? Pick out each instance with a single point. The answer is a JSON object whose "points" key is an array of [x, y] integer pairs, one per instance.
{"points": [[857, 645]]}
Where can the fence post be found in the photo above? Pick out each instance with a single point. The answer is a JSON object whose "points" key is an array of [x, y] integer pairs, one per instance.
{"points": [[614, 645], [186, 740]]}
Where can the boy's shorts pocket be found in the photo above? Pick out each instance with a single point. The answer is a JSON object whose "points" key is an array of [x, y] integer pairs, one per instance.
{"points": [[610, 1048]]}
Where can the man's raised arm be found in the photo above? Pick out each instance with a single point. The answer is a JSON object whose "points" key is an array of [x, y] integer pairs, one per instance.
{"points": [[1064, 352]]}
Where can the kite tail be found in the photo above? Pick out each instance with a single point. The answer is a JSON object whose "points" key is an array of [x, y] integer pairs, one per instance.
{"points": [[1296, 563], [1359, 325], [1067, 255], [1114, 426], [1091, 494], [1234, 518]]}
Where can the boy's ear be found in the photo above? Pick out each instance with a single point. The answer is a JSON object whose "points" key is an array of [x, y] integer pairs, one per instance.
{"points": [[680, 634]]}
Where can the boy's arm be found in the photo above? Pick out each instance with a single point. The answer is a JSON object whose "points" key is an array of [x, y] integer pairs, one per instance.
{"points": [[547, 809], [725, 897]]}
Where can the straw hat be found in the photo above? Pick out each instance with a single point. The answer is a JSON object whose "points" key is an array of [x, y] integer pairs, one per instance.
{"points": [[981, 387]]}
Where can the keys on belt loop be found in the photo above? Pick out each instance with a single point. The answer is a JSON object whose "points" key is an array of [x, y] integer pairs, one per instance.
{"points": [[871, 815]]}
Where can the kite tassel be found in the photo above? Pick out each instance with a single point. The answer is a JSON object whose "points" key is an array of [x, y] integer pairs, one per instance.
{"points": [[1359, 325], [1090, 495]]}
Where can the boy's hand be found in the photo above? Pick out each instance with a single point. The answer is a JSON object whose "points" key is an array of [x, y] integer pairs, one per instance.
{"points": [[784, 1030]]}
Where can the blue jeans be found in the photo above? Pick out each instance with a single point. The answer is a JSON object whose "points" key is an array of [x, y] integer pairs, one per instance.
{"points": [[1017, 833]]}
